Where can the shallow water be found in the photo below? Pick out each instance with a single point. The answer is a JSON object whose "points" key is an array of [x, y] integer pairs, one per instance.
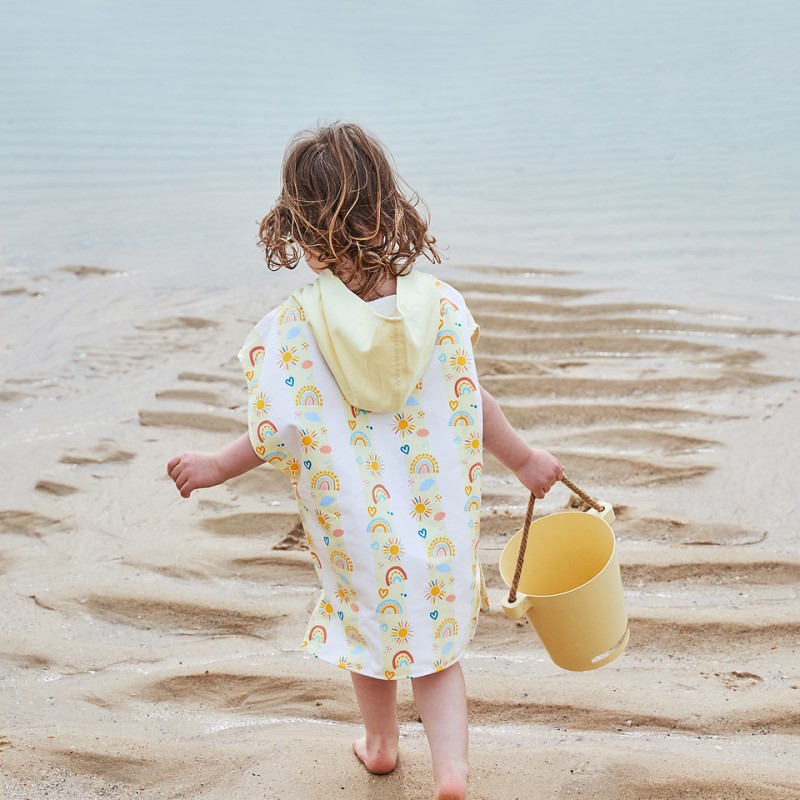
{"points": [[650, 147]]}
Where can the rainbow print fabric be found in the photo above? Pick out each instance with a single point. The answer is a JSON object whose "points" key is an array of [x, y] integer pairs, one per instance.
{"points": [[390, 502]]}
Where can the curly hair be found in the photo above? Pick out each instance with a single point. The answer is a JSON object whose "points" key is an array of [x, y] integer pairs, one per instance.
{"points": [[341, 201]]}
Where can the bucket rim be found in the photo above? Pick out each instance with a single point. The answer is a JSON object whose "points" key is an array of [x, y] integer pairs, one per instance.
{"points": [[595, 577]]}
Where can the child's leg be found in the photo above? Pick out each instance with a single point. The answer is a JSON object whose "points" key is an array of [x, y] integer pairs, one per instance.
{"points": [[441, 700], [377, 700]]}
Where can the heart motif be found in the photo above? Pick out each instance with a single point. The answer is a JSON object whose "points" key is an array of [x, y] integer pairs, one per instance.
{"points": [[307, 464], [352, 424], [384, 593], [340, 614], [404, 449], [374, 545], [389, 674], [261, 450], [423, 533], [326, 539], [468, 490], [434, 615], [442, 357], [384, 627], [453, 405], [457, 440], [289, 381], [372, 511], [249, 374]]}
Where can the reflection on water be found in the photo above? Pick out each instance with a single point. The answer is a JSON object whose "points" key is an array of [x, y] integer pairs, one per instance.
{"points": [[641, 143]]}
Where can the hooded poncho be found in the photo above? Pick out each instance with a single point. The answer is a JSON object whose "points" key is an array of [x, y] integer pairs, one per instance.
{"points": [[375, 415]]}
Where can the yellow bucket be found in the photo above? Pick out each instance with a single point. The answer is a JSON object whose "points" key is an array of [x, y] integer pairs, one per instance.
{"points": [[570, 587]]}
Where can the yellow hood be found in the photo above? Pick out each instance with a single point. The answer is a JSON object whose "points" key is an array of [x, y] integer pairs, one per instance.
{"points": [[376, 360]]}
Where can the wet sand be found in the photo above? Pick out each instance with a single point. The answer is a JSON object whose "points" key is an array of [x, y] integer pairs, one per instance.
{"points": [[150, 645]]}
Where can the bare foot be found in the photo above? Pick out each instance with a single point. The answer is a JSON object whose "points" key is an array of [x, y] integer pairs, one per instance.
{"points": [[452, 787], [379, 758]]}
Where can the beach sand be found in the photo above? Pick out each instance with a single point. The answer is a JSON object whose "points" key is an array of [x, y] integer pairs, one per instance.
{"points": [[150, 645]]}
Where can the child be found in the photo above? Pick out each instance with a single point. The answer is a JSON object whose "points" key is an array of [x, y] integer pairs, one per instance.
{"points": [[363, 390]]}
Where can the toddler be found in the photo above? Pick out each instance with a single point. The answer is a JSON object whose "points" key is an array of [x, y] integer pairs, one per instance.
{"points": [[363, 390]]}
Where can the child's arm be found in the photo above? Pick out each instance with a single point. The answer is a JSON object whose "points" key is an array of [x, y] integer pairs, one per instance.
{"points": [[195, 470], [536, 469]]}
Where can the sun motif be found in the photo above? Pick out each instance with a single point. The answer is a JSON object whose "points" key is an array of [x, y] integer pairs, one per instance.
{"points": [[473, 444], [260, 404], [402, 632], [403, 424], [292, 468], [394, 550], [343, 663], [436, 591], [308, 440], [375, 465], [288, 357], [326, 609], [461, 361], [343, 594], [420, 508], [323, 519]]}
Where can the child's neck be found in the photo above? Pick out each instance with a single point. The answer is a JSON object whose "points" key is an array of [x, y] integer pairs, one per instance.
{"points": [[385, 289]]}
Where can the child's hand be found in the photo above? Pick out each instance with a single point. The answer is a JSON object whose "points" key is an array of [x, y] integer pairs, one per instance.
{"points": [[194, 470], [539, 472]]}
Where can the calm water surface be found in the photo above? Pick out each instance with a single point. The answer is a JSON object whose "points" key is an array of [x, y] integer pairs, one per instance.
{"points": [[652, 147]]}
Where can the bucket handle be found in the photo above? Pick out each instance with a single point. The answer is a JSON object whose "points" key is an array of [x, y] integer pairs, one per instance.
{"points": [[512, 592]]}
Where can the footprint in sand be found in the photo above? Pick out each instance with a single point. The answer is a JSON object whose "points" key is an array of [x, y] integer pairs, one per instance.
{"points": [[191, 420], [178, 323], [26, 523], [177, 616], [104, 452], [86, 271], [55, 488]]}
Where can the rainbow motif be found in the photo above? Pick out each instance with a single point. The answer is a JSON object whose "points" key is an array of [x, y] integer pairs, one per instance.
{"points": [[354, 636], [395, 575], [472, 505], [379, 525], [446, 336], [318, 634], [448, 629], [447, 304], [315, 559], [424, 464], [465, 386], [264, 429], [308, 396], [379, 492], [461, 418], [275, 457], [341, 561], [389, 607], [325, 481], [475, 472], [360, 438], [441, 547], [292, 314], [256, 354], [402, 658]]}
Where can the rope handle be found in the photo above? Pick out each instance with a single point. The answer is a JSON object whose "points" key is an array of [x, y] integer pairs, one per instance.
{"points": [[512, 592]]}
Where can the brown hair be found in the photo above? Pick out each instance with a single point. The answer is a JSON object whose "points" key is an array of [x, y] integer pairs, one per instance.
{"points": [[341, 200]]}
